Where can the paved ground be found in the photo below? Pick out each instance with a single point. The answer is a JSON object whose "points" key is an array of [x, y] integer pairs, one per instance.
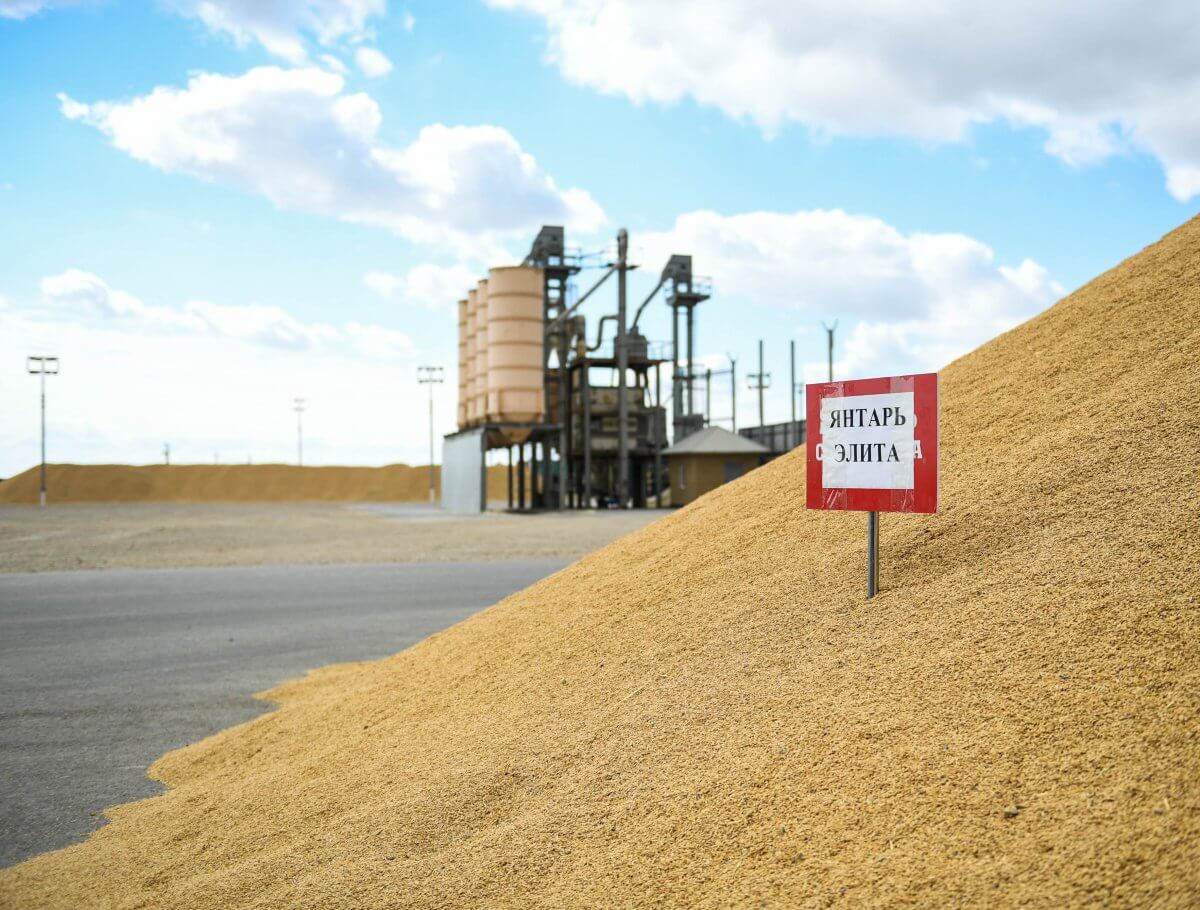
{"points": [[102, 672], [168, 535]]}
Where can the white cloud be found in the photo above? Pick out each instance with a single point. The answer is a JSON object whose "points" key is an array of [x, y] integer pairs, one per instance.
{"points": [[281, 26], [258, 324], [206, 378], [409, 21], [384, 284], [284, 28], [435, 287], [83, 290], [372, 62], [1100, 79], [333, 64], [23, 9], [76, 293], [297, 138], [905, 301], [122, 392], [440, 287]]}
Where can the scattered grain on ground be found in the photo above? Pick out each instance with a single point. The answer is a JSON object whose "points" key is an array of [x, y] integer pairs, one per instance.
{"points": [[168, 535]]}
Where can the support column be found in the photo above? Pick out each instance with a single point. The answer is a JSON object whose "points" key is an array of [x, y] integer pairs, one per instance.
{"points": [[585, 392], [658, 434], [521, 476], [564, 406], [622, 369], [533, 473], [564, 438], [676, 391], [691, 359]]}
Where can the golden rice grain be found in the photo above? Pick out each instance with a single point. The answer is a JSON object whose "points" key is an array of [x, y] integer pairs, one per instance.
{"points": [[707, 713]]}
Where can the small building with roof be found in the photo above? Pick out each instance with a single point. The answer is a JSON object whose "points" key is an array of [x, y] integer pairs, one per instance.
{"points": [[708, 458]]}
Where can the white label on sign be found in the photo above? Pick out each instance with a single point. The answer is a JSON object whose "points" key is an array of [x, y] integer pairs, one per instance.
{"points": [[867, 442]]}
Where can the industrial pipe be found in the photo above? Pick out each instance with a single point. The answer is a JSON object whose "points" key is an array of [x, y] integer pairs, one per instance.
{"points": [[578, 303], [611, 317], [638, 315]]}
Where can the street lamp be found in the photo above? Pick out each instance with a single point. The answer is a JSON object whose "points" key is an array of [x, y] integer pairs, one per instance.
{"points": [[829, 330], [43, 366], [298, 407], [430, 376]]}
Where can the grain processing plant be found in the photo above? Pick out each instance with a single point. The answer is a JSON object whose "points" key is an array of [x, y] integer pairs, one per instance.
{"points": [[581, 417]]}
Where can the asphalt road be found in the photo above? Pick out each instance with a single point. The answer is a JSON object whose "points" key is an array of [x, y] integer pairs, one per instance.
{"points": [[102, 672]]}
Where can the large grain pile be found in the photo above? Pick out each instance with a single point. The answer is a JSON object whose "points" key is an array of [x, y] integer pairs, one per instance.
{"points": [[707, 713], [230, 483]]}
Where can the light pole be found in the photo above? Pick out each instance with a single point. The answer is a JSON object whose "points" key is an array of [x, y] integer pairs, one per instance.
{"points": [[431, 376], [829, 330], [298, 407], [43, 366]]}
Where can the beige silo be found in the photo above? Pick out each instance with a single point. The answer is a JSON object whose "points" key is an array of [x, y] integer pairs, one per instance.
{"points": [[469, 387], [482, 319], [515, 333], [462, 364]]}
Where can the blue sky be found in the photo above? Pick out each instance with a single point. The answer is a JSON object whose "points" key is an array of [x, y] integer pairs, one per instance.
{"points": [[191, 203]]}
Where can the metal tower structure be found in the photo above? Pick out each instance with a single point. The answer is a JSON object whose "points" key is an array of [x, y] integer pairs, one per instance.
{"points": [[684, 292], [558, 265]]}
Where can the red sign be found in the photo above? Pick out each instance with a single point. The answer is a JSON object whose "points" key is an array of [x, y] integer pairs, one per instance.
{"points": [[873, 444]]}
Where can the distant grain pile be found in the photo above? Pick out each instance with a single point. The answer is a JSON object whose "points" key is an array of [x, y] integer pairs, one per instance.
{"points": [[229, 483], [707, 713]]}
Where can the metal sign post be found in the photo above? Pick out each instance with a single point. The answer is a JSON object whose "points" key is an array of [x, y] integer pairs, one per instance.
{"points": [[873, 447], [872, 554]]}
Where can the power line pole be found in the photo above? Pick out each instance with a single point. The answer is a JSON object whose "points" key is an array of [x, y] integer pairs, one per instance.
{"points": [[708, 397], [43, 366], [733, 389], [760, 381], [829, 330], [298, 407], [431, 376], [166, 453], [792, 345], [795, 390]]}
